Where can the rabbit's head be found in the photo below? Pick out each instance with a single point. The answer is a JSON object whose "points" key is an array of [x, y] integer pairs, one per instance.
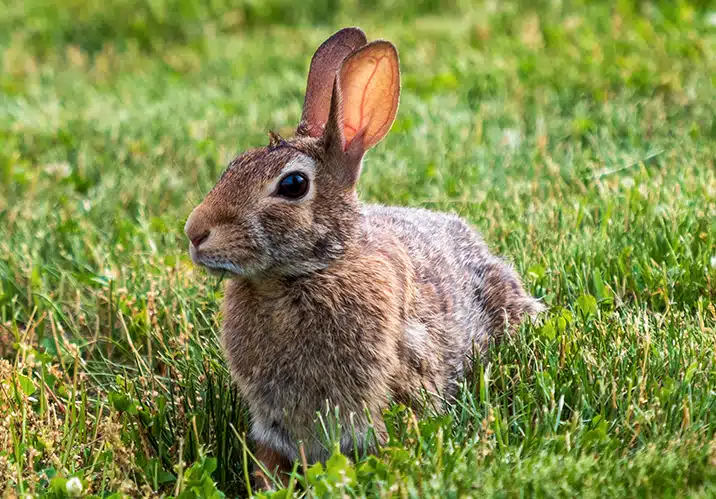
{"points": [[291, 207]]}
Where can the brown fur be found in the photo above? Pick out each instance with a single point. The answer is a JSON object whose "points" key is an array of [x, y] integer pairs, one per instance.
{"points": [[274, 463], [334, 303]]}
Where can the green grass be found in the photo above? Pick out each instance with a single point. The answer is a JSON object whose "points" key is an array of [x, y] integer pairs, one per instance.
{"points": [[578, 137]]}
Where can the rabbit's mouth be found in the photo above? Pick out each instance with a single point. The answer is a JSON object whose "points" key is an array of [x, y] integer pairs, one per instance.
{"points": [[215, 264], [222, 267]]}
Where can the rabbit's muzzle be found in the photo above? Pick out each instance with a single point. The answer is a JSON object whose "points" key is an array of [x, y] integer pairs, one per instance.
{"points": [[222, 245]]}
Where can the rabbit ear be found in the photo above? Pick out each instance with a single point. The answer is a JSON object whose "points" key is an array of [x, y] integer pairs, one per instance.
{"points": [[324, 65], [363, 107], [369, 81]]}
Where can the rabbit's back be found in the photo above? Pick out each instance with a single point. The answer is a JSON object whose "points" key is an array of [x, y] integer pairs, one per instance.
{"points": [[476, 296]]}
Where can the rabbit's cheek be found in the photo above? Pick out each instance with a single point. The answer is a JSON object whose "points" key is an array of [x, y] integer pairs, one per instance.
{"points": [[286, 226]]}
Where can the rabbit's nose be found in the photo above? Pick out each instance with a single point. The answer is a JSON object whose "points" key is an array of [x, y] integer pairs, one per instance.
{"points": [[196, 241], [195, 228]]}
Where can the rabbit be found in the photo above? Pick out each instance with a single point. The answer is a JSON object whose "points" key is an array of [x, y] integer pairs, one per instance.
{"points": [[336, 303]]}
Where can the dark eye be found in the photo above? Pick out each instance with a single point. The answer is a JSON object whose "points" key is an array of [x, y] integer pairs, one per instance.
{"points": [[293, 186]]}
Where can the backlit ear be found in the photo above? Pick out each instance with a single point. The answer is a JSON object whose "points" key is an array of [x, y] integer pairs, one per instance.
{"points": [[324, 66], [369, 82]]}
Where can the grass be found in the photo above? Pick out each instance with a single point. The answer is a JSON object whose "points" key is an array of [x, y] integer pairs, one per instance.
{"points": [[578, 137]]}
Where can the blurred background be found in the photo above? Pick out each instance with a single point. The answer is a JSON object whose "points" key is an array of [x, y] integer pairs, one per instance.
{"points": [[155, 25]]}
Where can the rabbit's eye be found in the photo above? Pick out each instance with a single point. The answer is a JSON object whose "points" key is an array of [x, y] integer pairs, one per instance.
{"points": [[293, 186]]}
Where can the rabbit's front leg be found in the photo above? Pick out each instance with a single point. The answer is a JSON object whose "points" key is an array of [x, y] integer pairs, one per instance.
{"points": [[273, 462]]}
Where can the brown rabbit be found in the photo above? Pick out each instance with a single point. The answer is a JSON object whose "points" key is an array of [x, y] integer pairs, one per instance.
{"points": [[336, 303]]}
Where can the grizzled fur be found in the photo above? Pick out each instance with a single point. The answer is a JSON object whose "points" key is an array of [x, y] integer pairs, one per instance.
{"points": [[336, 303]]}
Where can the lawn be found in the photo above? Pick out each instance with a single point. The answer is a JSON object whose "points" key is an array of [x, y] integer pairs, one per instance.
{"points": [[578, 137]]}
